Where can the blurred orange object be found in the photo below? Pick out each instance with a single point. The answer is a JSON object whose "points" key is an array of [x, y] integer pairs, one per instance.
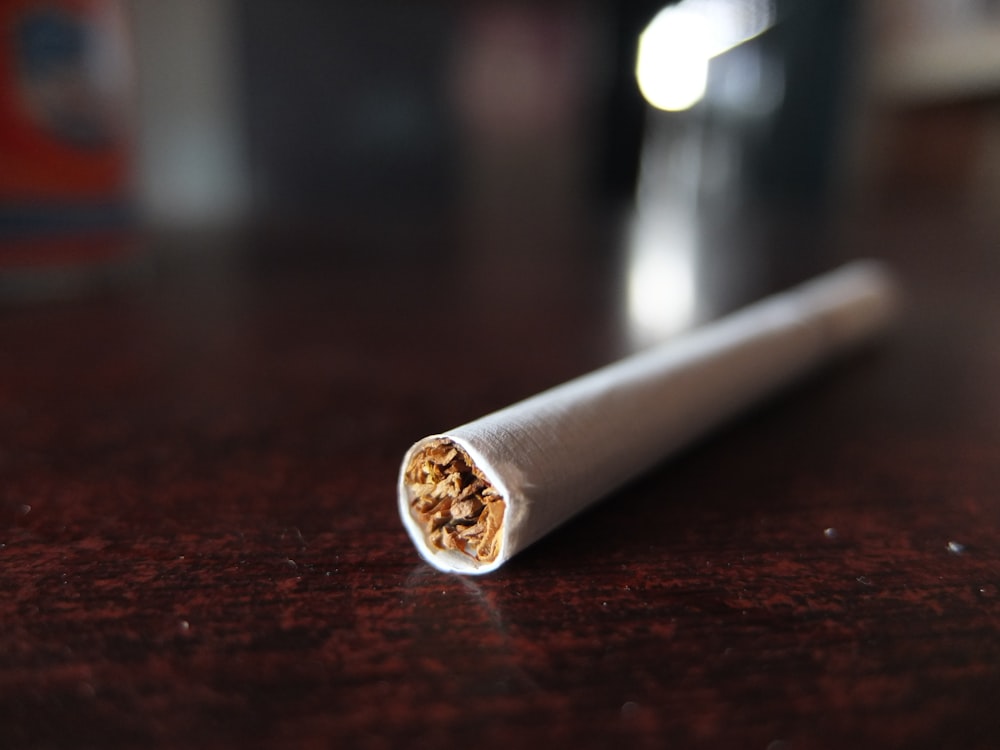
{"points": [[65, 146]]}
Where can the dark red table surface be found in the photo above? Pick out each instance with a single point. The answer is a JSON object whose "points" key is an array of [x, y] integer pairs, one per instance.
{"points": [[199, 544]]}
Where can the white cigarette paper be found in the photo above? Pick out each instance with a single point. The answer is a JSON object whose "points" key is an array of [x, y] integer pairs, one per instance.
{"points": [[473, 497]]}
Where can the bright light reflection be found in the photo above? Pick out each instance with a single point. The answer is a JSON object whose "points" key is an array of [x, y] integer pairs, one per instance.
{"points": [[674, 51], [661, 277]]}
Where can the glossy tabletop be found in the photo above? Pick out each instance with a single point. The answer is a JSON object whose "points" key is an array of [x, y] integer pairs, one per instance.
{"points": [[199, 544]]}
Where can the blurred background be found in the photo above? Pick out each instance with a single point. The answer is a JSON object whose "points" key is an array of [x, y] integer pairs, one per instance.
{"points": [[214, 114]]}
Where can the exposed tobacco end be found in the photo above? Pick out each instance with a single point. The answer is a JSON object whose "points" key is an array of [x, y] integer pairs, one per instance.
{"points": [[457, 507]]}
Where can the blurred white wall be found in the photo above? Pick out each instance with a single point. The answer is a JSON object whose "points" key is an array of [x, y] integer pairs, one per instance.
{"points": [[933, 51], [191, 165]]}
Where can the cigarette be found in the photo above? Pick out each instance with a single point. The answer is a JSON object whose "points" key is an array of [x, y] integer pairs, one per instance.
{"points": [[473, 497]]}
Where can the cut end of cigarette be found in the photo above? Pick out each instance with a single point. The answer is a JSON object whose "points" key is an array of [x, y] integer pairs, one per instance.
{"points": [[452, 501]]}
